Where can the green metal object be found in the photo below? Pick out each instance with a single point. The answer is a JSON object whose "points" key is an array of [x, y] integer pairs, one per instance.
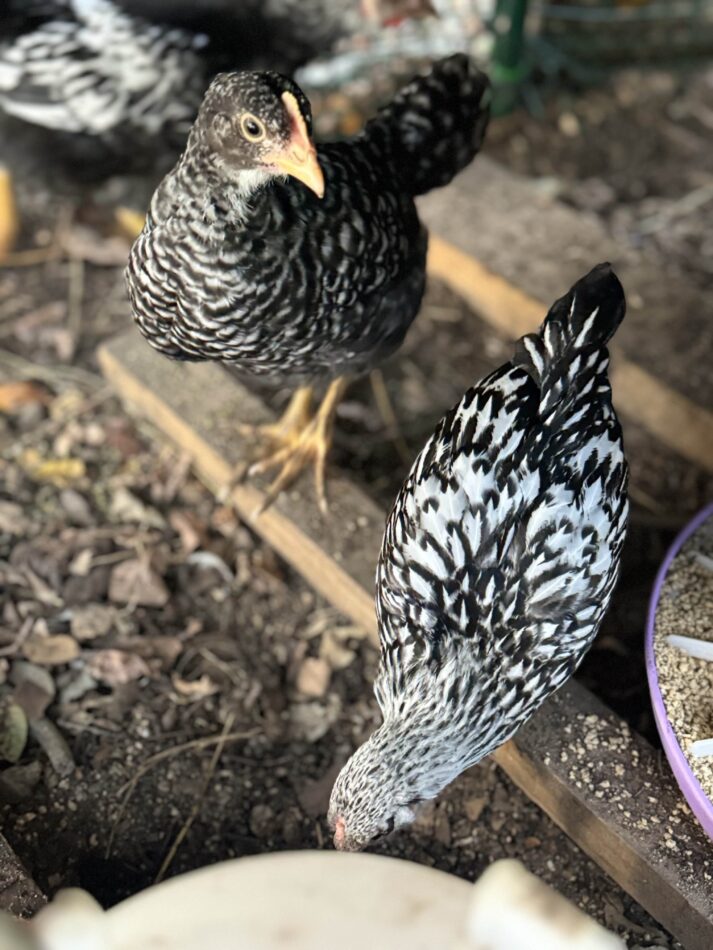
{"points": [[509, 63], [609, 34]]}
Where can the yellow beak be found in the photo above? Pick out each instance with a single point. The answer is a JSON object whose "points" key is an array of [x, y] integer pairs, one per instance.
{"points": [[299, 158]]}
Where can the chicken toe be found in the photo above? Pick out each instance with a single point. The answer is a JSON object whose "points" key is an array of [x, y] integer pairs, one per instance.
{"points": [[298, 440]]}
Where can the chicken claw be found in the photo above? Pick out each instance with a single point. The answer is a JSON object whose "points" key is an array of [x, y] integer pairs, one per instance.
{"points": [[299, 438]]}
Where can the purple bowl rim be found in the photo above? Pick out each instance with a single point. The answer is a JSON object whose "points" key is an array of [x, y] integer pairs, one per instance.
{"points": [[700, 803]]}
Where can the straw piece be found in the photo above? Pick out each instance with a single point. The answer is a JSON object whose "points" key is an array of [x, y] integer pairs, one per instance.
{"points": [[700, 649]]}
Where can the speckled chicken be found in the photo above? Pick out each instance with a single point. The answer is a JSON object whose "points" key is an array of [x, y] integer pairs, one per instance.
{"points": [[498, 563], [100, 87], [262, 254]]}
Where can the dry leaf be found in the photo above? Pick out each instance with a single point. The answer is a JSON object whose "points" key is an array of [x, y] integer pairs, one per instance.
{"points": [[475, 806], [60, 472], [12, 518], [193, 690], [18, 782], [51, 651], [313, 677], [34, 688], [81, 563], [188, 528], [67, 405], [309, 721], [125, 507], [55, 747], [136, 582], [76, 506], [92, 621], [116, 667], [13, 730], [14, 396], [333, 650]]}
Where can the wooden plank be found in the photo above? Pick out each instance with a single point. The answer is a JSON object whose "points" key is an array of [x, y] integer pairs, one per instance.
{"points": [[612, 799], [198, 406], [613, 794], [675, 420], [510, 249], [19, 895]]}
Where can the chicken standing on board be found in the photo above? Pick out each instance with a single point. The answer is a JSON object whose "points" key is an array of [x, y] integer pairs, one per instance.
{"points": [[498, 563], [93, 88], [316, 276]]}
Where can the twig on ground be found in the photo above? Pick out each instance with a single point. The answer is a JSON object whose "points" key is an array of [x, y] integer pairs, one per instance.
{"points": [[388, 416], [195, 810], [23, 634], [203, 742], [58, 373], [75, 299]]}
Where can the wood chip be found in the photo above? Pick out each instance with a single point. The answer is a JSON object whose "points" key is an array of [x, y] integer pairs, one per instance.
{"points": [[136, 582], [81, 563], [15, 395], [51, 651], [313, 677], [474, 807], [126, 508], [188, 528], [193, 690], [56, 471]]}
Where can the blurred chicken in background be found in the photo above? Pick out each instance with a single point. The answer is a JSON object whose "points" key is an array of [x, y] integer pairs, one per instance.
{"points": [[95, 88]]}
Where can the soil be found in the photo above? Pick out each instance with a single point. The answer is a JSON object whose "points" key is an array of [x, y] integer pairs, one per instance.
{"points": [[214, 638], [144, 629], [636, 151], [685, 609]]}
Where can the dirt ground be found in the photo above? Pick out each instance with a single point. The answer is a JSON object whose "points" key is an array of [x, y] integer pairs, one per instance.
{"points": [[189, 698]]}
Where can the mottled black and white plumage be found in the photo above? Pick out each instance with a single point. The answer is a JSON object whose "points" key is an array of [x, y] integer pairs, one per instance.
{"points": [[498, 563], [110, 91], [239, 263]]}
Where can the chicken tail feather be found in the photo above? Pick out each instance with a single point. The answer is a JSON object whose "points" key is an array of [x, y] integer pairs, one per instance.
{"points": [[435, 126], [571, 344]]}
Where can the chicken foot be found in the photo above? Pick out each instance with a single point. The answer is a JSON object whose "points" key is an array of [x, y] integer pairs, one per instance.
{"points": [[299, 438]]}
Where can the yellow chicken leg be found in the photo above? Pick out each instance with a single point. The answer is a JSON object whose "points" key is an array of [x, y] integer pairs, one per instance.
{"points": [[9, 217], [300, 439], [129, 222]]}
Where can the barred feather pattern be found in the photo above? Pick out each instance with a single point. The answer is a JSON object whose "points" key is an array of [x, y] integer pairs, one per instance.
{"points": [[267, 277], [436, 124], [92, 70], [498, 562]]}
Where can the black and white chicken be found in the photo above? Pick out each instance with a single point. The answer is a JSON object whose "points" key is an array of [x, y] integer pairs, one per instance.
{"points": [[497, 566], [262, 253]]}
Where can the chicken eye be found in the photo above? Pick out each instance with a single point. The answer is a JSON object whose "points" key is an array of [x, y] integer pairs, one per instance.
{"points": [[252, 128]]}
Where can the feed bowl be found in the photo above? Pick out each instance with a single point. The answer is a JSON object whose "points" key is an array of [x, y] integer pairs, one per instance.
{"points": [[700, 804]]}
